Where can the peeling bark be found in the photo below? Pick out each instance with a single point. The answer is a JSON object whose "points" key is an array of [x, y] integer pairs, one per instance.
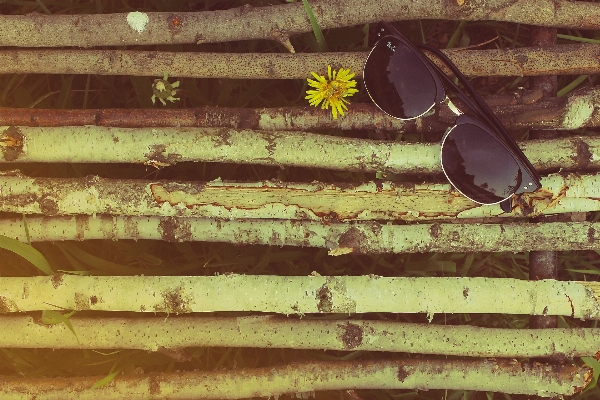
{"points": [[315, 201], [299, 295]]}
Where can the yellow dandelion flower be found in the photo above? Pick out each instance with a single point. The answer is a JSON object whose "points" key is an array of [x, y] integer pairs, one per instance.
{"points": [[333, 91]]}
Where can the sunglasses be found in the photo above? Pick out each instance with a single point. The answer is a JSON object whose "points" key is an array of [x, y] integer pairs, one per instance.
{"points": [[478, 156]]}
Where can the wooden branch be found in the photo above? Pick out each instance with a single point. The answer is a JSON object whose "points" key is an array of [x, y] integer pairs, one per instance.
{"points": [[340, 238], [313, 201], [299, 294], [529, 61], [305, 378], [276, 22], [520, 109], [175, 332], [361, 116]]}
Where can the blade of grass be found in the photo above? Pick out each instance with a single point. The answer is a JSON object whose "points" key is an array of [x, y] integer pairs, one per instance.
{"points": [[315, 26], [107, 379], [64, 98], [43, 7], [42, 98], [87, 92], [584, 271], [571, 86], [456, 34], [578, 39]]}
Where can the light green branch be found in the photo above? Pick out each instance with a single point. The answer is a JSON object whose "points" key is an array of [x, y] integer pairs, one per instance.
{"points": [[339, 238], [154, 333], [307, 377], [168, 146], [299, 294]]}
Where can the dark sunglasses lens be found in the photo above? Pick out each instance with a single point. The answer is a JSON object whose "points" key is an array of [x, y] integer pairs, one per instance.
{"points": [[478, 165], [398, 81]]}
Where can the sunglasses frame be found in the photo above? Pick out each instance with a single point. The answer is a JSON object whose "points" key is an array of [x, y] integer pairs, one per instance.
{"points": [[483, 115]]}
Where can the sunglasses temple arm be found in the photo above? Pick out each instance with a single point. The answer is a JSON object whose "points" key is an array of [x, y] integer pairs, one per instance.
{"points": [[477, 104]]}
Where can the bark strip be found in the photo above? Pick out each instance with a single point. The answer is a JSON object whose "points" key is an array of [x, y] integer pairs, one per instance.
{"points": [[298, 295], [176, 332], [315, 201]]}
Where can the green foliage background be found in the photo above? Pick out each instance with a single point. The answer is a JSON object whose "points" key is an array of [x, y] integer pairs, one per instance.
{"points": [[161, 258]]}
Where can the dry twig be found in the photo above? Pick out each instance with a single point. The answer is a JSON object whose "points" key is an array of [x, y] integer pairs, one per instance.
{"points": [[527, 61], [277, 22]]}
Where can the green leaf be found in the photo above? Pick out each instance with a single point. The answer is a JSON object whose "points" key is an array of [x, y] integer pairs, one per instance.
{"points": [[27, 252], [595, 365], [578, 39], [50, 317], [316, 29]]}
